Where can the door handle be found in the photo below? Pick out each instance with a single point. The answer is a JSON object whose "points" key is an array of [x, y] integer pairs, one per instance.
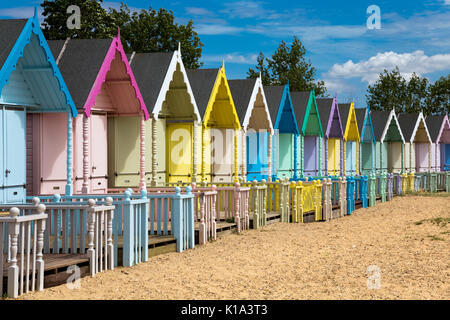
{"points": [[7, 171]]}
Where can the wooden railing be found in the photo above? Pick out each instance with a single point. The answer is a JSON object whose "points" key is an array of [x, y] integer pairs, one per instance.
{"points": [[339, 194], [138, 215], [327, 206], [361, 190], [372, 189], [258, 202], [350, 194], [21, 244], [389, 186], [306, 197]]}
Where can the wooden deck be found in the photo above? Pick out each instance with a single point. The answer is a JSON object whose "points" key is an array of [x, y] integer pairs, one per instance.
{"points": [[54, 261]]}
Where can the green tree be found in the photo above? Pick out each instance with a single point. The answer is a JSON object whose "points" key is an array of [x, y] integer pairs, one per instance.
{"points": [[143, 31], [439, 98], [388, 92], [288, 64], [156, 31], [95, 21], [392, 90]]}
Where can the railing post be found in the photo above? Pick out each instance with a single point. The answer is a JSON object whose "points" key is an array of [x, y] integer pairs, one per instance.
{"points": [[255, 207], [447, 181], [39, 248], [237, 218], [109, 223], [190, 216], [177, 219], [202, 237], [128, 231], [318, 200], [144, 225], [363, 191], [13, 269], [91, 235], [263, 201]]}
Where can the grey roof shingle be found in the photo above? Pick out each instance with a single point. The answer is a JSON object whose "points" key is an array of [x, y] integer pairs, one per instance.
{"points": [[273, 97], [80, 64], [324, 105], [360, 116], [202, 82], [150, 70], [241, 91], [300, 103], [407, 122], [10, 30], [434, 124], [344, 109], [379, 119]]}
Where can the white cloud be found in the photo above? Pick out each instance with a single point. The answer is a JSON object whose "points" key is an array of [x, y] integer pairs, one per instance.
{"points": [[246, 9], [199, 11], [408, 63], [447, 2], [231, 58], [215, 29]]}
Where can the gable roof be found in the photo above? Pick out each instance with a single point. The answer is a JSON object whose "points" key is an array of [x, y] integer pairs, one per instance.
{"points": [[409, 122], [242, 90], [327, 107], [324, 105], [86, 62], [300, 104], [273, 97], [434, 124], [360, 118], [15, 36], [381, 121], [154, 73], [80, 63], [242, 99], [150, 70], [202, 83]]}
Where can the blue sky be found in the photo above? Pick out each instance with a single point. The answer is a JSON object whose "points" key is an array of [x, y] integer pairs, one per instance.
{"points": [[415, 35]]}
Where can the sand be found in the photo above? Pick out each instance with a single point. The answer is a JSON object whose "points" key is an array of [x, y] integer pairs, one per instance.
{"points": [[326, 260]]}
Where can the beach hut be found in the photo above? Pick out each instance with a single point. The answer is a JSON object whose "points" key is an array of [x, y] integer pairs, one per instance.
{"points": [[351, 138], [36, 112], [257, 130], [173, 133], [109, 136], [439, 129], [333, 135], [389, 142], [417, 149], [220, 125], [367, 144], [311, 134], [284, 146]]}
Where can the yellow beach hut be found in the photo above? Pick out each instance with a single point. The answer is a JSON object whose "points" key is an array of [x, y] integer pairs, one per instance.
{"points": [[171, 135], [220, 126], [351, 138]]}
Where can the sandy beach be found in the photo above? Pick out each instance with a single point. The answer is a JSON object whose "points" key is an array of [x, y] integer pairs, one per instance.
{"points": [[407, 238]]}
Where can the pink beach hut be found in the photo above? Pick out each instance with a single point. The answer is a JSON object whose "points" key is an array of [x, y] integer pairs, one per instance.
{"points": [[439, 127], [417, 156], [104, 89]]}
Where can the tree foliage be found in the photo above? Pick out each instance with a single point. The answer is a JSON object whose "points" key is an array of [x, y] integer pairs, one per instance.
{"points": [[288, 64], [141, 31], [393, 91]]}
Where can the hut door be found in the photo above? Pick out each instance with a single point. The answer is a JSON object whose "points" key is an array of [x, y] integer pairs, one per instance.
{"points": [[98, 153], [222, 153], [446, 157], [257, 155], [350, 158], [285, 155], [53, 153], [14, 150], [179, 152], [334, 156], [421, 151], [395, 157], [311, 156], [366, 157]]}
